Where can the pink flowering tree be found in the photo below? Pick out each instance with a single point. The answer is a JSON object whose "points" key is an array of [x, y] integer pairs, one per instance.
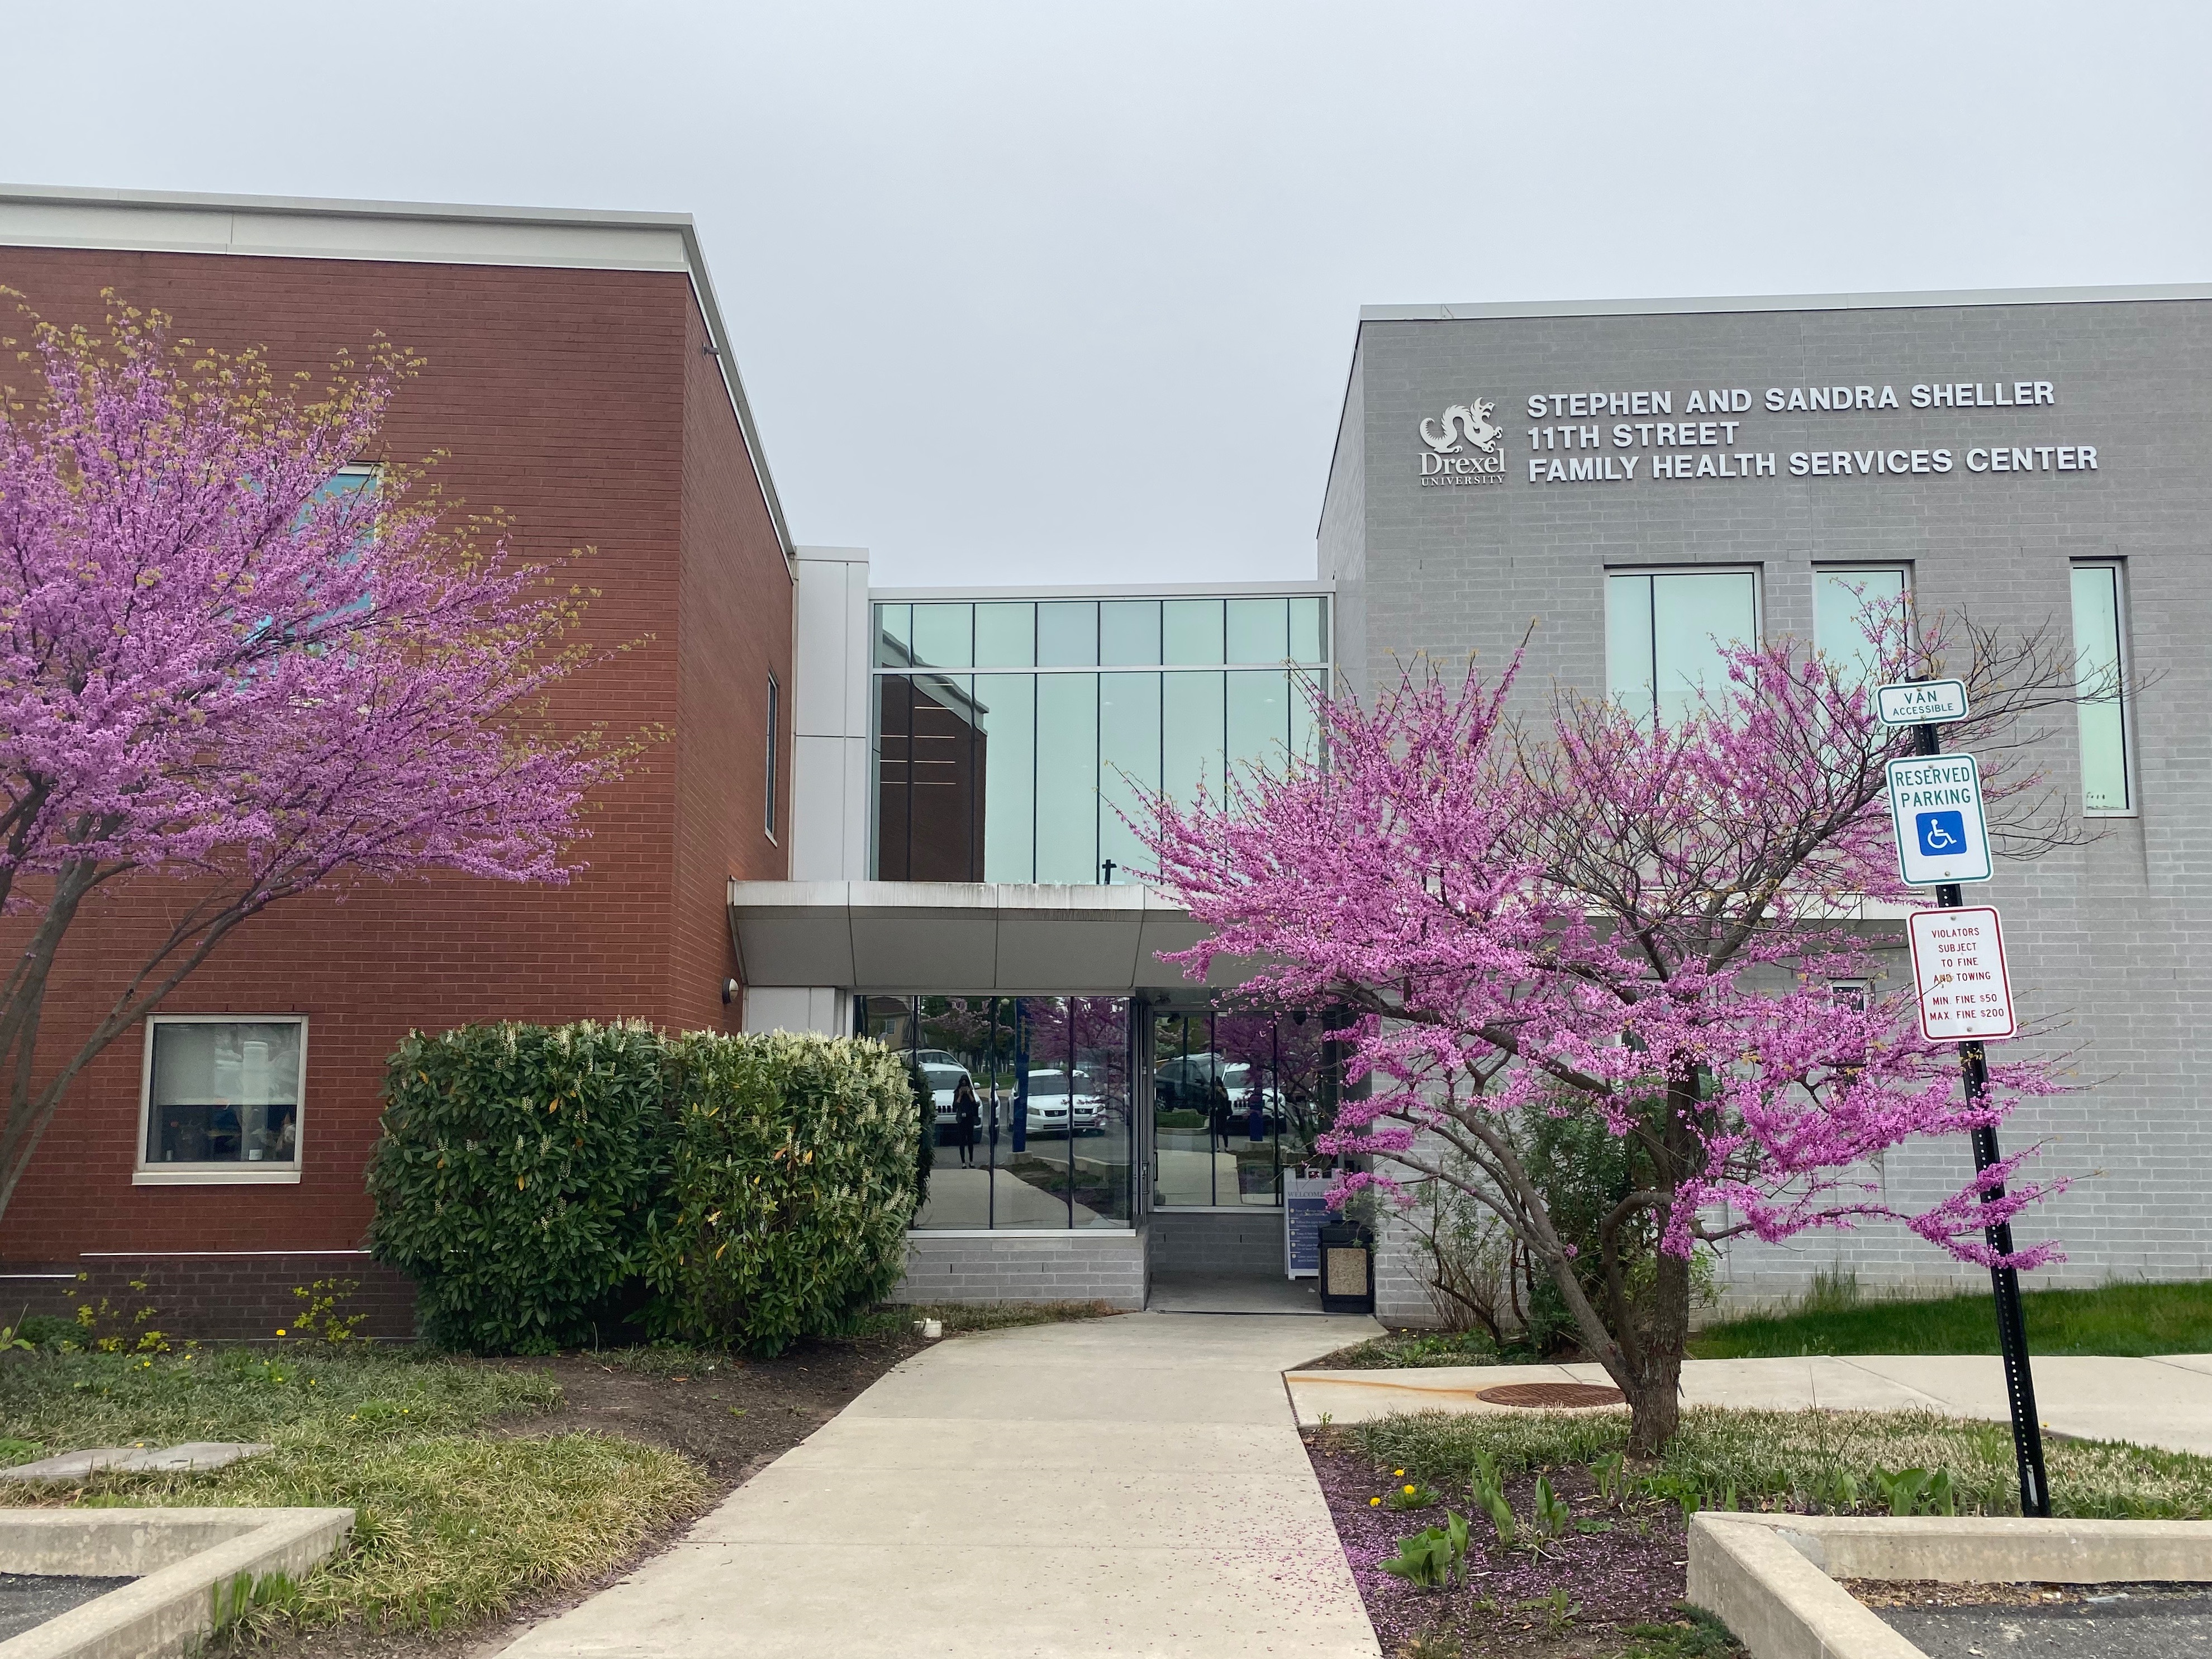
{"points": [[232, 665], [1596, 916]]}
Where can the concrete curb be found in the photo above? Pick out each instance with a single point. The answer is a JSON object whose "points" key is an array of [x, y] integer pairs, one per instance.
{"points": [[186, 1557], [1772, 1578]]}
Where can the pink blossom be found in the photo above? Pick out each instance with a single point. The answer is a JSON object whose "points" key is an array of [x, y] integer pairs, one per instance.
{"points": [[215, 666], [1596, 914]]}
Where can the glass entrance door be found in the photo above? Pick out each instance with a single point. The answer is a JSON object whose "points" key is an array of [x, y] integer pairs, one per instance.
{"points": [[1235, 1100]]}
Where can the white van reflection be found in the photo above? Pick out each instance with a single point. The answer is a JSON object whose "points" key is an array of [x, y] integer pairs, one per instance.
{"points": [[1055, 1104]]}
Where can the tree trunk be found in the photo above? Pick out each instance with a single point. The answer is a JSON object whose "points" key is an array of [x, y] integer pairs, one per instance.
{"points": [[1654, 1383]]}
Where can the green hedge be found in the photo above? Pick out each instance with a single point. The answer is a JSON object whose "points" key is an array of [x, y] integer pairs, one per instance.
{"points": [[519, 1169], [536, 1182], [793, 1179]]}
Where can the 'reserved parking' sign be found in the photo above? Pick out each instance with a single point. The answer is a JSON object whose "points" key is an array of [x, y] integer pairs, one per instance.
{"points": [[1942, 835]]}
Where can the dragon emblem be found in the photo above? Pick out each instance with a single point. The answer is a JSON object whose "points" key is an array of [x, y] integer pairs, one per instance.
{"points": [[1473, 422]]}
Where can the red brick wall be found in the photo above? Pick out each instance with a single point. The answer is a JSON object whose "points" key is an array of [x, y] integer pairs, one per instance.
{"points": [[728, 644], [214, 1298], [576, 401]]}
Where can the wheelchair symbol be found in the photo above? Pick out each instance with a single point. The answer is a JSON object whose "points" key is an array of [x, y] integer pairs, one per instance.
{"points": [[1942, 832]]}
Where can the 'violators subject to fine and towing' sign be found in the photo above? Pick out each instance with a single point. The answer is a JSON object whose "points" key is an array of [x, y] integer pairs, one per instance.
{"points": [[1921, 703], [1942, 835], [1959, 965]]}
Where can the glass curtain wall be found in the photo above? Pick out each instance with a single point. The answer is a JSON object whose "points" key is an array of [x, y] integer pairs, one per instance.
{"points": [[1237, 1098], [1015, 739], [1031, 1104]]}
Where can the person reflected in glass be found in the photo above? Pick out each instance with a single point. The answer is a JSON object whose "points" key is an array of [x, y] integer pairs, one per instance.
{"points": [[1221, 1116], [1255, 1112], [967, 1116]]}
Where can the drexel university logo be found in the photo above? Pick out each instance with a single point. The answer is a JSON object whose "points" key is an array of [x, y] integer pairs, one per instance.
{"points": [[1472, 420], [1465, 428]]}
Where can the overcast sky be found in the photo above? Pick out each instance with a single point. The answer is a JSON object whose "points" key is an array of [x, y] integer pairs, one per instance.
{"points": [[1032, 293]]}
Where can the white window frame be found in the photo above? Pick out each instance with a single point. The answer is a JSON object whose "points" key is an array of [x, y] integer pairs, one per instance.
{"points": [[219, 1175], [1755, 570], [2125, 647]]}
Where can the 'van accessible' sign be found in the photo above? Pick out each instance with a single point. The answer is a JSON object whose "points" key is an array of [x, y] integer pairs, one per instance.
{"points": [[1921, 703]]}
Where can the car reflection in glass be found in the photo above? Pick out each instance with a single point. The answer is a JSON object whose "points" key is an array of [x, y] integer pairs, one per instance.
{"points": [[1055, 1094]]}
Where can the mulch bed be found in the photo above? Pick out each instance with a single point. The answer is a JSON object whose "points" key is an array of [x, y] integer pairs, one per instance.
{"points": [[733, 1419], [1633, 1573], [730, 1415]]}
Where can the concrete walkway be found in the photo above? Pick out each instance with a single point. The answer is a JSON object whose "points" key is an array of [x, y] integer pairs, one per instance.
{"points": [[1120, 1486], [2164, 1402]]}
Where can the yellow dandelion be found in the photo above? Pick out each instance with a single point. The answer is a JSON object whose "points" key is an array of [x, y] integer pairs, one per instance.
{"points": [[1374, 1502], [1394, 1471], [1409, 1492], [280, 1330]]}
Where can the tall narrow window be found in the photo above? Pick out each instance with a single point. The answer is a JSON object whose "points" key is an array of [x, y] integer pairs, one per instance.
{"points": [[1845, 603], [2100, 683], [775, 712], [1664, 632]]}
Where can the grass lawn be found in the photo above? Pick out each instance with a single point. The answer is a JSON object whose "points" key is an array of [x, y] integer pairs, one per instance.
{"points": [[1725, 1458], [2116, 1319], [458, 1516], [2123, 1320]]}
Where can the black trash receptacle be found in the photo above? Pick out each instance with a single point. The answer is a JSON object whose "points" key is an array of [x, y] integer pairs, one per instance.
{"points": [[1347, 1269]]}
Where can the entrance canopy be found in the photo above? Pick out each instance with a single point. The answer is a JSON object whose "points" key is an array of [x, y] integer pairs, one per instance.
{"points": [[975, 938]]}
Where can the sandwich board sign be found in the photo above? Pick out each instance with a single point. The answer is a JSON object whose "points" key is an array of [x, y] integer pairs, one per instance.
{"points": [[1942, 835], [1921, 703], [1305, 1208], [1958, 967]]}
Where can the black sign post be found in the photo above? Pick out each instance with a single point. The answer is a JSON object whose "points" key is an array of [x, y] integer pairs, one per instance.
{"points": [[2012, 1319]]}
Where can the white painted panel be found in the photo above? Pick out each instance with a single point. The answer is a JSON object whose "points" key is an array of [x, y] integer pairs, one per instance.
{"points": [[823, 643], [859, 654], [820, 836], [73, 224], [415, 239], [820, 1008], [860, 801]]}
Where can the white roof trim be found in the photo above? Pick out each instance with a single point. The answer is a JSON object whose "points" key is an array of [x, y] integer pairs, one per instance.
{"points": [[408, 232], [1909, 300], [964, 937], [1282, 590]]}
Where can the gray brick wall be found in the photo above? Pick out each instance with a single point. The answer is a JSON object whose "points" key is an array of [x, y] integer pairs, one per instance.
{"points": [[1401, 1281], [2113, 941], [1013, 1267], [1198, 1242]]}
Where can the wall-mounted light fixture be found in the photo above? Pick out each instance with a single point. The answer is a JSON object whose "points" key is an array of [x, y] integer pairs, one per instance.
{"points": [[729, 991]]}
